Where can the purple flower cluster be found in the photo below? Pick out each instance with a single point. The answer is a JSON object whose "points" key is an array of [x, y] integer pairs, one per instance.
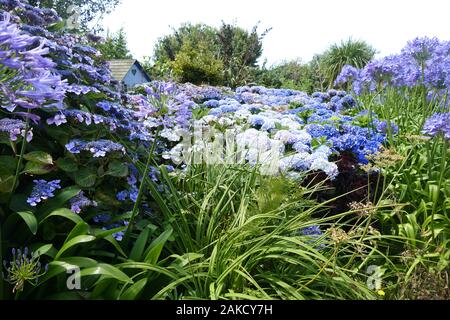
{"points": [[98, 148], [437, 124], [117, 235], [15, 128], [31, 81], [43, 190], [423, 61], [312, 231], [80, 201]]}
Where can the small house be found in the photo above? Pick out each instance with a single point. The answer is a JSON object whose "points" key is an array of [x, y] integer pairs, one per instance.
{"points": [[128, 72]]}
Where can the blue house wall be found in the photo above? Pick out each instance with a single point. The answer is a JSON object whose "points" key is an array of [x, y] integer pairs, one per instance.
{"points": [[133, 78]]}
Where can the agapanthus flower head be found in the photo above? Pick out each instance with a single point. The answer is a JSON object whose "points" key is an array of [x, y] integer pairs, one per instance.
{"points": [[439, 123], [43, 190], [348, 74], [384, 127], [23, 267], [34, 81], [311, 231], [423, 61], [421, 49]]}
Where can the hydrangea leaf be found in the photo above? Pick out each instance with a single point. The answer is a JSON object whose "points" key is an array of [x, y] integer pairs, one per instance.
{"points": [[36, 168], [39, 157], [67, 164], [86, 177], [117, 169]]}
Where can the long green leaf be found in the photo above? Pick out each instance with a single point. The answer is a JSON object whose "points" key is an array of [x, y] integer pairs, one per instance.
{"points": [[139, 245], [73, 242], [30, 220], [106, 270], [154, 250]]}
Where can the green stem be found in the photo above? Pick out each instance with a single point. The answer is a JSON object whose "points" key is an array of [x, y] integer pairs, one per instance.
{"points": [[22, 151], [16, 177], [441, 178], [141, 190]]}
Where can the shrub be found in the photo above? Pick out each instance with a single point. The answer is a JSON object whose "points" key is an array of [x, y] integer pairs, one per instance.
{"points": [[198, 65]]}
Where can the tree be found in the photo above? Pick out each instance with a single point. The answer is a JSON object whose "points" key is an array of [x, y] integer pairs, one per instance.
{"points": [[238, 51], [356, 53], [291, 74], [91, 11], [198, 65], [167, 47], [115, 46]]}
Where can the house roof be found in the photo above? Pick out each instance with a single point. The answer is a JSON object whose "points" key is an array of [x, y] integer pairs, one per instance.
{"points": [[119, 67]]}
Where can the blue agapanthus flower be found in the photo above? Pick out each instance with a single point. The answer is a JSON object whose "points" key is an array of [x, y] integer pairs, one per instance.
{"points": [[437, 124], [311, 231]]}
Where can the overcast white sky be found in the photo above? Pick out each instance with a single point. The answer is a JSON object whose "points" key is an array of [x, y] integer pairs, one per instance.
{"points": [[300, 28]]}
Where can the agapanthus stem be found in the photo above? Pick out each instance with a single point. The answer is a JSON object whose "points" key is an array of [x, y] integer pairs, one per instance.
{"points": [[22, 151], [141, 190]]}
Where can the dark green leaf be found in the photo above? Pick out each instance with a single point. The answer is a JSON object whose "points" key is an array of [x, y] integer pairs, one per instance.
{"points": [[66, 213], [79, 229], [139, 245], [6, 183], [85, 177], [134, 290], [30, 220], [67, 164], [19, 203], [8, 163], [155, 248], [117, 169]]}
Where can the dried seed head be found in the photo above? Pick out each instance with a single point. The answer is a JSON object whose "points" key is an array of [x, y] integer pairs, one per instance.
{"points": [[362, 209], [338, 235], [383, 159]]}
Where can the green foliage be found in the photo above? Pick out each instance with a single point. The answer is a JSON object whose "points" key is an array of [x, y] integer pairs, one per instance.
{"points": [[239, 50], [197, 65], [232, 52], [356, 53], [415, 190], [289, 75], [114, 46], [91, 11], [236, 235], [167, 47]]}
